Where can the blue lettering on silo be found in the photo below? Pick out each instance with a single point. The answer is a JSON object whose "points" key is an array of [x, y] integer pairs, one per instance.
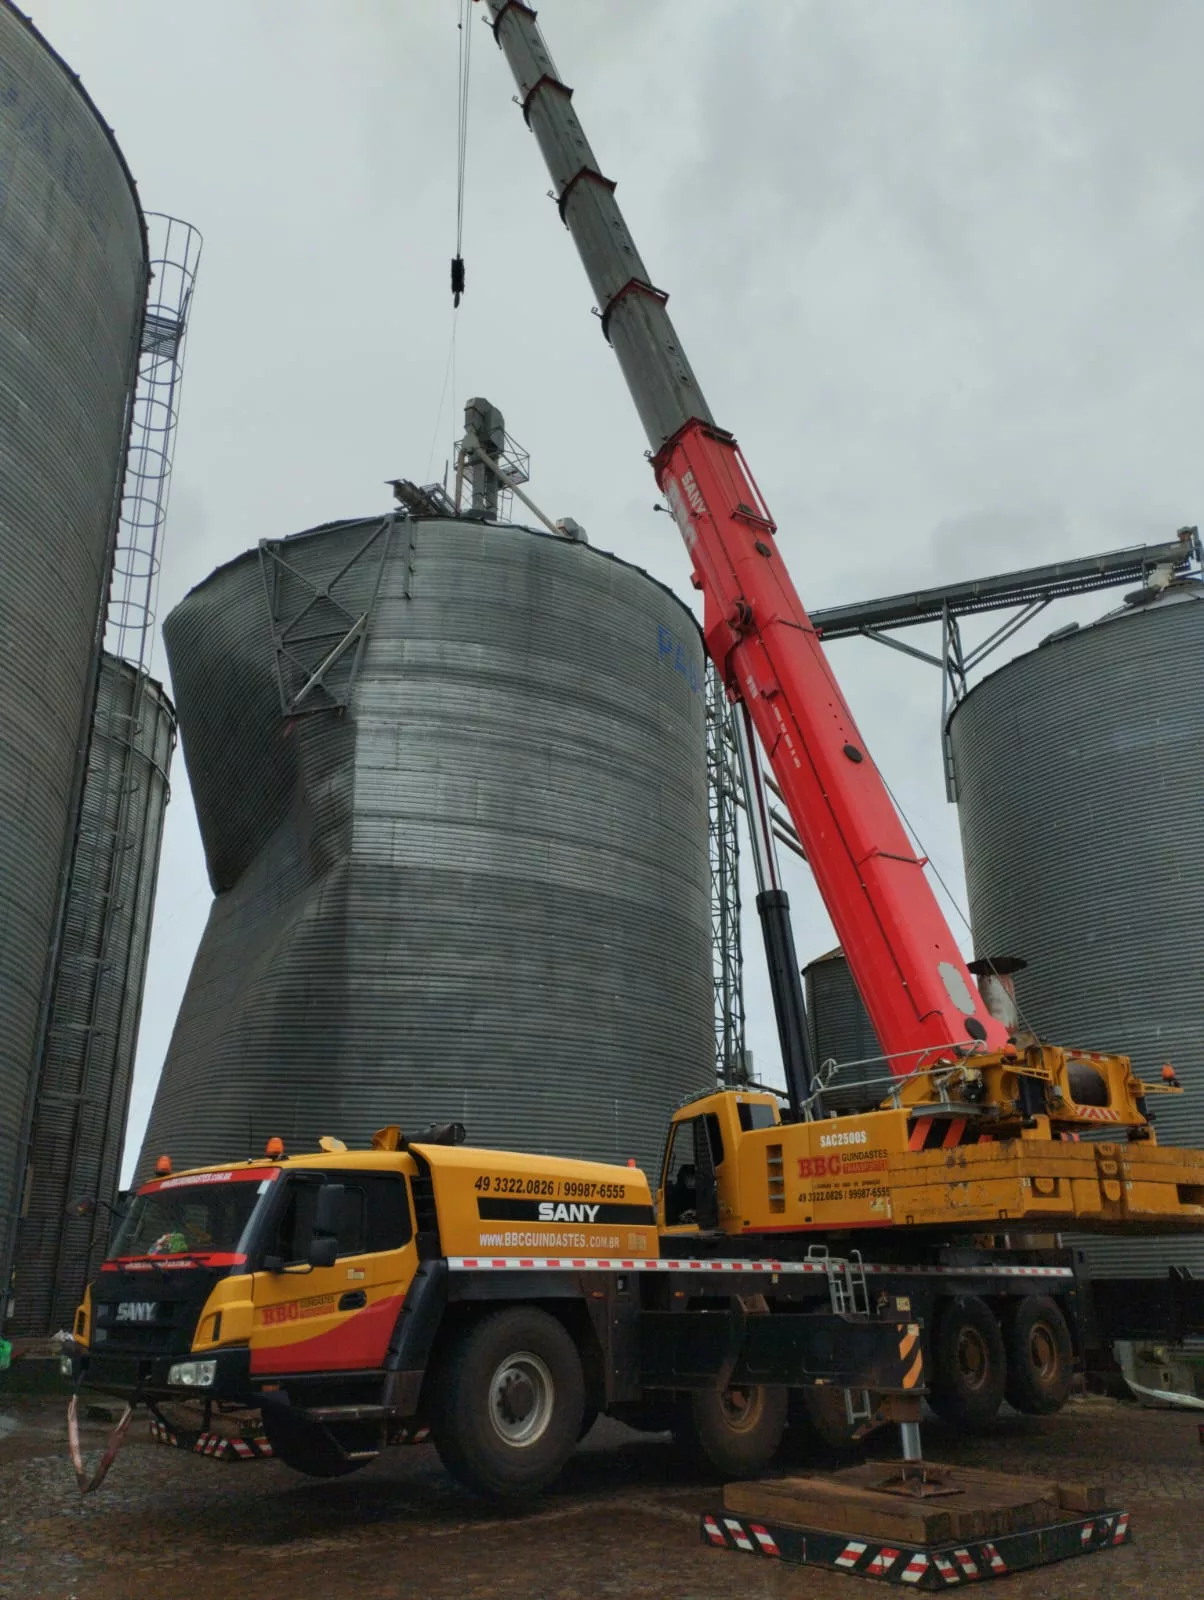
{"points": [[673, 653]]}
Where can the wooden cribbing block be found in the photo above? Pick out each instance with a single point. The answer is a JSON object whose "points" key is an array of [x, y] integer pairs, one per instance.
{"points": [[985, 1505]]}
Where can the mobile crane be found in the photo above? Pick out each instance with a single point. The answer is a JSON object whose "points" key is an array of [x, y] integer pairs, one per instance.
{"points": [[495, 1301], [977, 1108]]}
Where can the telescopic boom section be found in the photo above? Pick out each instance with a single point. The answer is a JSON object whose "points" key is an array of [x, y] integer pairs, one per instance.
{"points": [[898, 944]]}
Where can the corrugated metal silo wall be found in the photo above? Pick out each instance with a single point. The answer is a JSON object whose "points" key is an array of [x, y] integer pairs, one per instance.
{"points": [[483, 893], [1079, 771], [72, 278], [841, 1030], [92, 1035]]}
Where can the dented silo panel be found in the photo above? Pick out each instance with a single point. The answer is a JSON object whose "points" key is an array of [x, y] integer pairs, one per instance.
{"points": [[461, 873]]}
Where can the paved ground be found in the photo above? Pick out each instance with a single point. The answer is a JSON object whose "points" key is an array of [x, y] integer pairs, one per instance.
{"points": [[623, 1524]]}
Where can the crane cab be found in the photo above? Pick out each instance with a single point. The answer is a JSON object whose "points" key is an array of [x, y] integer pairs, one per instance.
{"points": [[700, 1177]]}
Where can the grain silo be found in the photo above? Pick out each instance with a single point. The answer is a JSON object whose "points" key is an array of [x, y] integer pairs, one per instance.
{"points": [[1079, 768], [451, 784], [72, 279], [841, 1031], [83, 1091]]}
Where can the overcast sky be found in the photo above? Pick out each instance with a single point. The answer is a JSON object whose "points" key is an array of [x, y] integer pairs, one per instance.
{"points": [[936, 264]]}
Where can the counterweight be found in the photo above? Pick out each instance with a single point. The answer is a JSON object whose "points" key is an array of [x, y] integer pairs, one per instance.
{"points": [[901, 950]]}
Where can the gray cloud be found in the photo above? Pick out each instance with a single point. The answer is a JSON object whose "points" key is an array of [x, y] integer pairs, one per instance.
{"points": [[935, 264]]}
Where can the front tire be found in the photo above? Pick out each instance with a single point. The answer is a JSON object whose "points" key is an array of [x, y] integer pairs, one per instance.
{"points": [[509, 1403], [739, 1429], [969, 1367], [1040, 1357]]}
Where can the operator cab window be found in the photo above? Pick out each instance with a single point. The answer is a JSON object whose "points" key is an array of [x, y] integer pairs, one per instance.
{"points": [[681, 1170], [756, 1114]]}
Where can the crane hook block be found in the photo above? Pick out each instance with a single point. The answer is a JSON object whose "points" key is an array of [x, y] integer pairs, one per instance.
{"points": [[457, 278]]}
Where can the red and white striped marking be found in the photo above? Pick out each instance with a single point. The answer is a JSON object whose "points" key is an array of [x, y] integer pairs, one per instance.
{"points": [[634, 1264], [995, 1561], [1097, 1113], [966, 1562], [713, 1531], [883, 1560], [765, 1539], [974, 1272], [733, 1264], [739, 1538], [915, 1568], [1122, 1528], [946, 1568], [852, 1553], [1086, 1533]]}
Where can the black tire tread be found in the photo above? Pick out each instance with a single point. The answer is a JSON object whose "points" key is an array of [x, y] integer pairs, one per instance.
{"points": [[466, 1443], [948, 1395], [1025, 1390]]}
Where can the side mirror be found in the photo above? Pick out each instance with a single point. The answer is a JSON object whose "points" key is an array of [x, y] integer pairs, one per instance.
{"points": [[322, 1252], [328, 1208]]}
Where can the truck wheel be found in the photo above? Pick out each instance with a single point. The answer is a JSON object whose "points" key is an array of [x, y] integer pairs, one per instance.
{"points": [[307, 1447], [968, 1363], [509, 1403], [1040, 1356], [737, 1429]]}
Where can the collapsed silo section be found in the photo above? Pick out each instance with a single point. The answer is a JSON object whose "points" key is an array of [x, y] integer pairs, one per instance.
{"points": [[1079, 772], [72, 278], [841, 1031], [451, 785], [92, 1032]]}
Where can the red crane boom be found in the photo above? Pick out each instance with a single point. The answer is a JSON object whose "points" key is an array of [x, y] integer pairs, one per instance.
{"points": [[907, 964]]}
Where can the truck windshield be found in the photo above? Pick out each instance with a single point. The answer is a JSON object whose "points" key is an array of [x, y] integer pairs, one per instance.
{"points": [[195, 1217]]}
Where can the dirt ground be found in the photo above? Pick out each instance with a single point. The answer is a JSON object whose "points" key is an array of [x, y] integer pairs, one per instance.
{"points": [[623, 1523]]}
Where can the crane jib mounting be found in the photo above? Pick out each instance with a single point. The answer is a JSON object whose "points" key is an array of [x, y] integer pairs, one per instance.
{"points": [[907, 963]]}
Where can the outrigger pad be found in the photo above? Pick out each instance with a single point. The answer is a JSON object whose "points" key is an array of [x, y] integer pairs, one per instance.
{"points": [[920, 1567]]}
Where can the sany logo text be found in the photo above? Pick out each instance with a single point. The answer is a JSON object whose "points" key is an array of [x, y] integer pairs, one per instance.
{"points": [[563, 1211], [136, 1311]]}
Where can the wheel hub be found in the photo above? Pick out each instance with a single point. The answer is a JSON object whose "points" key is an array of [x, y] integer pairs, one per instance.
{"points": [[972, 1358], [1042, 1351], [516, 1397], [521, 1398], [741, 1407]]}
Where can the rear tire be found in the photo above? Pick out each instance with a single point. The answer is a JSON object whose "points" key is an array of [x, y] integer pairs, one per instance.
{"points": [[969, 1366], [739, 1429], [509, 1403], [1040, 1356]]}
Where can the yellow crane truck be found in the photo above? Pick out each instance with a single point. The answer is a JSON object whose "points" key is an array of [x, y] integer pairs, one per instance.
{"points": [[321, 1307]]}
